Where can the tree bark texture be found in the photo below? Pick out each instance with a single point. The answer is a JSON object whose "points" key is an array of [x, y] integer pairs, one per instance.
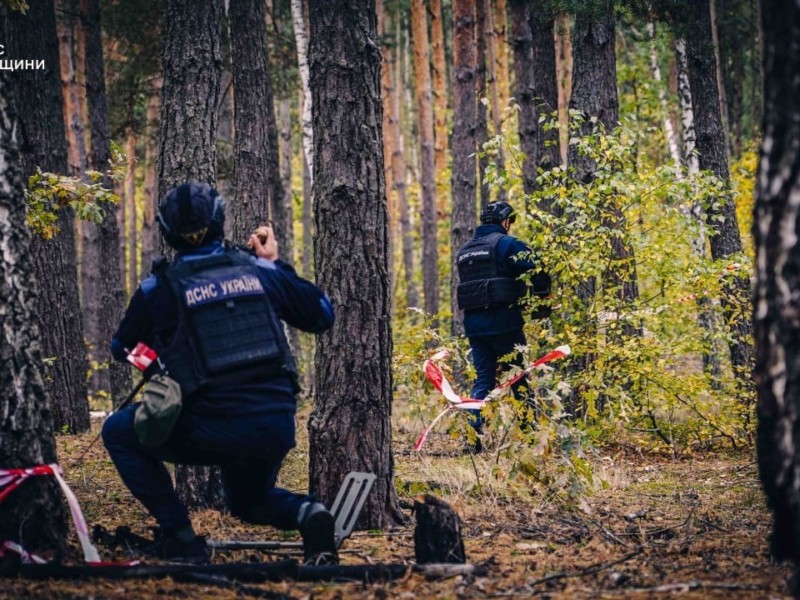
{"points": [[536, 88], [350, 426], [777, 329], [33, 514], [43, 145], [465, 118], [423, 96], [725, 240], [192, 65], [76, 147], [564, 71], [103, 286], [439, 90], [251, 180], [482, 126], [500, 22], [390, 128], [655, 70]]}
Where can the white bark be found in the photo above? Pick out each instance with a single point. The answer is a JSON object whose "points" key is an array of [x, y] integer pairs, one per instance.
{"points": [[687, 114], [301, 40], [669, 130]]}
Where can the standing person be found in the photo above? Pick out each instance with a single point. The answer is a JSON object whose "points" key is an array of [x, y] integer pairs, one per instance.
{"points": [[213, 317], [489, 293]]}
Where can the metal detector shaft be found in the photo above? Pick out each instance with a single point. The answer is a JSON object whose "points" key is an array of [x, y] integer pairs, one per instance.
{"points": [[119, 406]]}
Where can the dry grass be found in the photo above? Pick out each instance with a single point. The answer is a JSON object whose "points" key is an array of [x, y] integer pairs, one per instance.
{"points": [[700, 522]]}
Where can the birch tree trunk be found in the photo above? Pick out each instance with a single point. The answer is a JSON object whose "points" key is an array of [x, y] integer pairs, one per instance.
{"points": [[192, 64], [349, 428], [103, 290], [655, 70], [777, 333], [422, 92], [33, 514], [465, 107], [301, 40], [43, 144]]}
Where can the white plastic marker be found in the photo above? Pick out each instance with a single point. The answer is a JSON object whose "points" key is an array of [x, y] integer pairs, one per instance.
{"points": [[434, 374]]}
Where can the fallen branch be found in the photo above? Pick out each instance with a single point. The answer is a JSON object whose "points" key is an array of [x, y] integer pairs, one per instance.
{"points": [[240, 589], [689, 586]]}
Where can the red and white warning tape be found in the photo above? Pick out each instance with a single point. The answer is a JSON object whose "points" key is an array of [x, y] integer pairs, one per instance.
{"points": [[11, 479], [435, 375]]}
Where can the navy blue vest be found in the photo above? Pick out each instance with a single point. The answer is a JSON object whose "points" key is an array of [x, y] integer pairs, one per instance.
{"points": [[227, 329]]}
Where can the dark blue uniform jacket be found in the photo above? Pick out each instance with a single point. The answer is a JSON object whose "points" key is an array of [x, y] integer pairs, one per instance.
{"points": [[296, 301], [513, 259]]}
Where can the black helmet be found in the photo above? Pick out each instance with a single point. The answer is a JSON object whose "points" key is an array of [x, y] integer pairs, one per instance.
{"points": [[497, 212], [191, 215]]}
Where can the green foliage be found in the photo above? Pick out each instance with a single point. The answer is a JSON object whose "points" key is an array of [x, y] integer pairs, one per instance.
{"points": [[47, 193]]}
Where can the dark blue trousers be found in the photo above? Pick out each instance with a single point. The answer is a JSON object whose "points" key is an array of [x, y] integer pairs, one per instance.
{"points": [[249, 449], [487, 350]]}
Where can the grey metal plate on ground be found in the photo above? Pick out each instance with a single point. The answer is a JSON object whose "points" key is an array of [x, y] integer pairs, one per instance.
{"points": [[346, 509]]}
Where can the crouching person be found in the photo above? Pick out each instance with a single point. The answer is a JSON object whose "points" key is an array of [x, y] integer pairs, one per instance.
{"points": [[213, 316]]}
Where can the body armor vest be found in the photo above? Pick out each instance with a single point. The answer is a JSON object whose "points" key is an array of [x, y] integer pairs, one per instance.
{"points": [[227, 329], [482, 284]]}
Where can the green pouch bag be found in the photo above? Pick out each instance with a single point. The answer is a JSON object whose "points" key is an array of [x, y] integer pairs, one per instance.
{"points": [[158, 411]]}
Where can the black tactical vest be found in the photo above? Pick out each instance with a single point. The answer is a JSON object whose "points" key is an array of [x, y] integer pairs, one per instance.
{"points": [[227, 329], [482, 285]]}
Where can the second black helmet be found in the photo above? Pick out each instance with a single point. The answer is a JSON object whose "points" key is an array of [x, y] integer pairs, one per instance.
{"points": [[497, 212], [191, 215]]}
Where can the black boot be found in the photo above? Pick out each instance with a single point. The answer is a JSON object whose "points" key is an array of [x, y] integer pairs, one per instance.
{"points": [[317, 526], [181, 545]]}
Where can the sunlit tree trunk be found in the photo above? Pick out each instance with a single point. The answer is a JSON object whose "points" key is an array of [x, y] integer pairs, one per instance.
{"points": [[564, 71], [43, 145], [725, 241], [349, 428], [500, 21], [32, 515], [76, 147], [422, 93], [465, 108], [132, 271], [777, 332], [439, 92], [655, 70], [191, 63], [103, 285], [494, 95]]}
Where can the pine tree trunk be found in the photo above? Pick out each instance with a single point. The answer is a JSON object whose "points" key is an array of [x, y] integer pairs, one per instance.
{"points": [[494, 95], [777, 333], [422, 93], [399, 181], [76, 147], [192, 65], [481, 127], [251, 181], [350, 428], [132, 271], [465, 116], [536, 89], [439, 92], [149, 229], [43, 145], [103, 291], [390, 130], [564, 71], [33, 514], [713, 156], [500, 22]]}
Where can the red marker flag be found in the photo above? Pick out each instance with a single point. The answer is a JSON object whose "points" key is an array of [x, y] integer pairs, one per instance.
{"points": [[142, 356]]}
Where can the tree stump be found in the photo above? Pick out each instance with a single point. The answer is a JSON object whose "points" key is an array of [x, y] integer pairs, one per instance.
{"points": [[437, 536]]}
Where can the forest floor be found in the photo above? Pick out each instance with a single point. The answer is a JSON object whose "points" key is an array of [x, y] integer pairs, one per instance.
{"points": [[695, 527]]}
